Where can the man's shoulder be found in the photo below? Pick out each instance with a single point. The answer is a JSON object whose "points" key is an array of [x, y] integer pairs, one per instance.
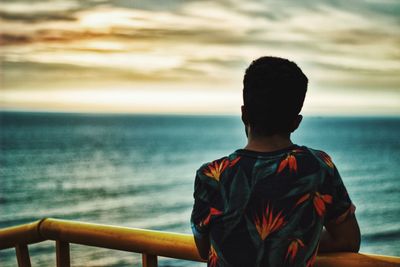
{"points": [[314, 150], [323, 157], [222, 160], [216, 167], [238, 154]]}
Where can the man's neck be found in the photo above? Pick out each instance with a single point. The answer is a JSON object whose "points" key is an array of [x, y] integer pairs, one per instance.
{"points": [[267, 143]]}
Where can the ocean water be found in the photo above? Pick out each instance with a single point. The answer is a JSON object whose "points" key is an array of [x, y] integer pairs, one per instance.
{"points": [[138, 171]]}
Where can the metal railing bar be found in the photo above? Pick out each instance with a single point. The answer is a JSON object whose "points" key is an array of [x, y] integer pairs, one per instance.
{"points": [[21, 234], [356, 260], [149, 260], [23, 258], [150, 243], [62, 254], [173, 245]]}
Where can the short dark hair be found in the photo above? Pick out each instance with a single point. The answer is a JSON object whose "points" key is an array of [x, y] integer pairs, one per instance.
{"points": [[273, 94]]}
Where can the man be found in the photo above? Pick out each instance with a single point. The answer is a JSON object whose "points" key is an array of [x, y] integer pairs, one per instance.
{"points": [[272, 203]]}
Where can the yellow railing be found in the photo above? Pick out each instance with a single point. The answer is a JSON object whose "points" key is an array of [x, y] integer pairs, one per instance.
{"points": [[150, 243]]}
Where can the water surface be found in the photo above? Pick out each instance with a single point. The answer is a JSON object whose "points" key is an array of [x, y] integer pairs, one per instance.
{"points": [[138, 171]]}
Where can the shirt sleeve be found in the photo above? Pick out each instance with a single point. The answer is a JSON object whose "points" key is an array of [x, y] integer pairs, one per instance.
{"points": [[201, 207], [341, 207]]}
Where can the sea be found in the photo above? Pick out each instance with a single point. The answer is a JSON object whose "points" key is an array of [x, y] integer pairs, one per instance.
{"points": [[138, 171]]}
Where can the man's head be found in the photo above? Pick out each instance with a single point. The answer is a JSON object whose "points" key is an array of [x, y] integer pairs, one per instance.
{"points": [[273, 95]]}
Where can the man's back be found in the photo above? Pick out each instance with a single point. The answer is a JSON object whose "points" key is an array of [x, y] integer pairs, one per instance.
{"points": [[267, 208], [256, 208]]}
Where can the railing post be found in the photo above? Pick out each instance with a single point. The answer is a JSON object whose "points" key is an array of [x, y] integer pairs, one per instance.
{"points": [[149, 260], [23, 255], [62, 254]]}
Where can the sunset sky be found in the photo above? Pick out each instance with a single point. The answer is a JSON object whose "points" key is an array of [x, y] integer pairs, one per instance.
{"points": [[188, 57]]}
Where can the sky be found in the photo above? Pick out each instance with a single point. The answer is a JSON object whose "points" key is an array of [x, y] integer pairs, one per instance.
{"points": [[189, 57]]}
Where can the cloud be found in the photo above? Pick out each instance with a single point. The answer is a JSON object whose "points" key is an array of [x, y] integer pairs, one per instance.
{"points": [[34, 75], [14, 39], [34, 12], [340, 44], [36, 17]]}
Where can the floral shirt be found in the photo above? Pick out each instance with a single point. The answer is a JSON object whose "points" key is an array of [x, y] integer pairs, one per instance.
{"points": [[267, 208]]}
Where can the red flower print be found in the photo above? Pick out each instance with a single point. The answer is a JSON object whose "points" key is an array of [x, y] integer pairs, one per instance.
{"points": [[319, 202], [302, 199], [215, 168], [311, 261], [290, 161], [233, 162], [212, 257], [213, 212], [293, 248], [343, 217], [268, 223], [325, 157]]}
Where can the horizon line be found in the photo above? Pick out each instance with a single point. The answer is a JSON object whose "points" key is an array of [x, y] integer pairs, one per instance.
{"points": [[194, 114]]}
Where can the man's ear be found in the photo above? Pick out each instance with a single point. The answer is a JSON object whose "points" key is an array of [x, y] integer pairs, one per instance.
{"points": [[245, 119], [296, 122]]}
